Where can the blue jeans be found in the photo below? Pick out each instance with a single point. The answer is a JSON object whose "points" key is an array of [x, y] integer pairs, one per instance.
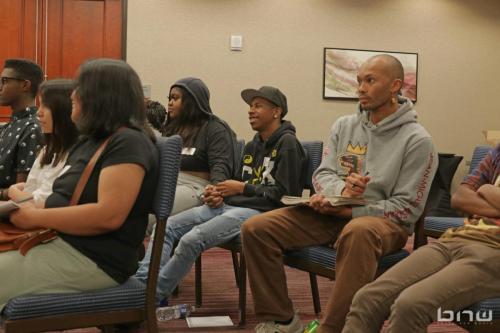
{"points": [[197, 230]]}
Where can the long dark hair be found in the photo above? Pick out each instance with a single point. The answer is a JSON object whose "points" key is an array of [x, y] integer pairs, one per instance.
{"points": [[55, 95], [111, 97], [190, 119]]}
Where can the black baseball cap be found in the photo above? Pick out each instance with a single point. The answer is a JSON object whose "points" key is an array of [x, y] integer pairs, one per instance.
{"points": [[272, 94]]}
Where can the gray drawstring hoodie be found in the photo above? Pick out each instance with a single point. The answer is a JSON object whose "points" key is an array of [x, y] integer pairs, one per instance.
{"points": [[398, 154]]}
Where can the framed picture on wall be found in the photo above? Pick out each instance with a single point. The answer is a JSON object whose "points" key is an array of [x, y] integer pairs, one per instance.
{"points": [[340, 69]]}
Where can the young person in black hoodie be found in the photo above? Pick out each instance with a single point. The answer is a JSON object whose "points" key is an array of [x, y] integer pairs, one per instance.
{"points": [[208, 154], [209, 144], [273, 165]]}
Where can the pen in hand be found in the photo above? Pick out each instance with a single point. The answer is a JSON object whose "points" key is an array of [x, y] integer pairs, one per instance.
{"points": [[365, 175], [23, 200]]}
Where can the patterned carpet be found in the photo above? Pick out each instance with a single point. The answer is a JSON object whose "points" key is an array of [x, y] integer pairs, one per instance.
{"points": [[220, 297]]}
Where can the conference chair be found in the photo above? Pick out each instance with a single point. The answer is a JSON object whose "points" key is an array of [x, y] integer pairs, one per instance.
{"points": [[436, 224], [314, 151], [320, 260], [128, 303]]}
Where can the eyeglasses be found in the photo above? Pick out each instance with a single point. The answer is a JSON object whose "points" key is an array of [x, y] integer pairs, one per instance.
{"points": [[5, 79]]}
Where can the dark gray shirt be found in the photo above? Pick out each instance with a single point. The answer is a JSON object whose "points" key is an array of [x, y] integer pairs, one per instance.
{"points": [[20, 141]]}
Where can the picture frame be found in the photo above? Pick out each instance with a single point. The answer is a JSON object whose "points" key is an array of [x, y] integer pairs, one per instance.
{"points": [[340, 67]]}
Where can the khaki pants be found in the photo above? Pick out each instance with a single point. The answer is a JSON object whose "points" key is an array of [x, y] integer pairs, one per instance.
{"points": [[187, 195], [55, 267], [360, 243], [188, 192], [448, 275]]}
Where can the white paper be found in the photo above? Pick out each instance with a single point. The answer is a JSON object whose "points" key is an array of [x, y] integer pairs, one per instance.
{"points": [[188, 151], [214, 321], [334, 201]]}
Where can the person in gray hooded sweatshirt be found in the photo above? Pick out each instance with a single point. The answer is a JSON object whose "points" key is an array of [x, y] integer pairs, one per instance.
{"points": [[380, 153], [273, 165]]}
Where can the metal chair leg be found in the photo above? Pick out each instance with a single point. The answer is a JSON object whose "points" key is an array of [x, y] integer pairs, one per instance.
{"points": [[236, 266], [175, 293], [197, 282], [315, 293], [242, 289]]}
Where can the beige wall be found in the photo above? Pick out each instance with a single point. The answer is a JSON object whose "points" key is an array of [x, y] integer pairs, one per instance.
{"points": [[458, 43]]}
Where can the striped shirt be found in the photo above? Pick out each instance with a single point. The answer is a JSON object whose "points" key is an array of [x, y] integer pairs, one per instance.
{"points": [[483, 229]]}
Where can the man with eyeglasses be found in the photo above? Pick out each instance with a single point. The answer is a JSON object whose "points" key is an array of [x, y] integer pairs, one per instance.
{"points": [[21, 137]]}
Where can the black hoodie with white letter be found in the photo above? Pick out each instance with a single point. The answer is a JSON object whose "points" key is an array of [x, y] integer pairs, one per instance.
{"points": [[271, 169]]}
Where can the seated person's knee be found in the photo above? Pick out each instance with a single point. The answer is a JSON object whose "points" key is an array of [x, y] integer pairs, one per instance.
{"points": [[251, 226], [190, 243], [358, 228]]}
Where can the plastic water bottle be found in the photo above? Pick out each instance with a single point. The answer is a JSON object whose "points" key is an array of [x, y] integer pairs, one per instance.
{"points": [[312, 327], [174, 312]]}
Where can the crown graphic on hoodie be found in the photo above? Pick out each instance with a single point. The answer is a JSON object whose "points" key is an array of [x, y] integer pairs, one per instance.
{"points": [[357, 149]]}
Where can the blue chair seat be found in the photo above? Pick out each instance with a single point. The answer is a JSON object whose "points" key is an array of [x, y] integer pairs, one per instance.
{"points": [[491, 304], [130, 302], [441, 224], [234, 243], [129, 295], [325, 256], [314, 151]]}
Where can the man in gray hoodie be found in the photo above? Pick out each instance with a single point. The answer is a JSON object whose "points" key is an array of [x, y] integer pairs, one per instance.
{"points": [[380, 153]]}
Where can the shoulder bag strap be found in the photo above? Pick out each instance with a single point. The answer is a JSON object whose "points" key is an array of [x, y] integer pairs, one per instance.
{"points": [[46, 235], [86, 174]]}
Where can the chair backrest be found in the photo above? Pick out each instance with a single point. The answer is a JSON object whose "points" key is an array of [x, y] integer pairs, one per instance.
{"points": [[169, 157], [439, 194], [169, 149], [240, 145], [109, 306], [314, 150], [477, 156]]}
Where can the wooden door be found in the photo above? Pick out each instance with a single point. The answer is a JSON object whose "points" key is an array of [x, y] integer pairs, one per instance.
{"points": [[61, 34], [18, 29], [78, 30], [18, 34]]}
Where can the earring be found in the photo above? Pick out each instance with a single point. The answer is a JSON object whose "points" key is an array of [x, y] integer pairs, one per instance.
{"points": [[394, 100], [275, 116]]}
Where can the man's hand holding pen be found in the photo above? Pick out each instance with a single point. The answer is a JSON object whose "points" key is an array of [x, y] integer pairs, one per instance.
{"points": [[355, 185]]}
